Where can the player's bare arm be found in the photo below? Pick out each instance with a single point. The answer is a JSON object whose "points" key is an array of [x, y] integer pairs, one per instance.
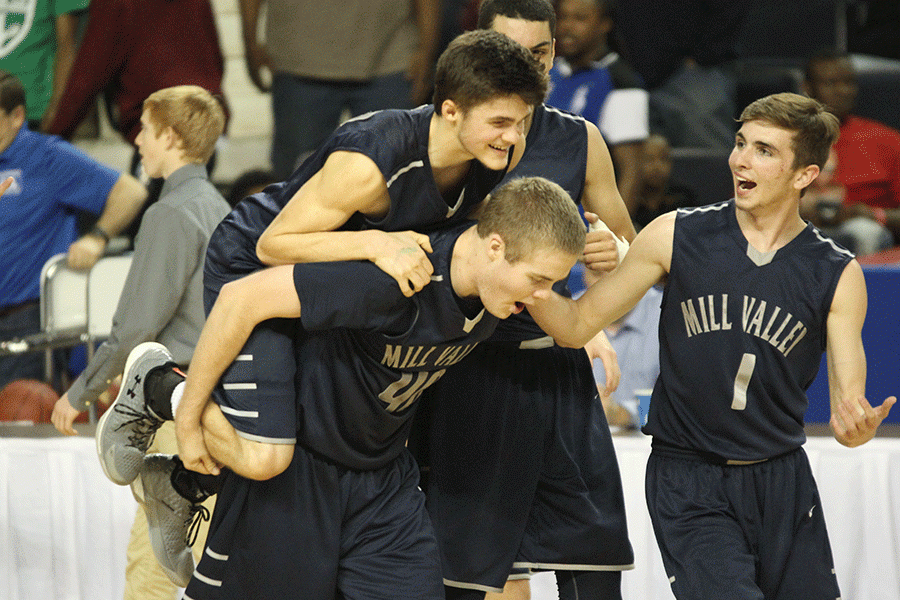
{"points": [[854, 420], [629, 156], [241, 305], [573, 322], [601, 197], [599, 347], [348, 182]]}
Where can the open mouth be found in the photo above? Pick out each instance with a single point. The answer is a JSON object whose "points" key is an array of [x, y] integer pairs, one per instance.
{"points": [[499, 149], [519, 307], [745, 184]]}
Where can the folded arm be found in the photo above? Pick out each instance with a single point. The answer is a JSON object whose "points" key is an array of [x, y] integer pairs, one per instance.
{"points": [[348, 183], [241, 306]]}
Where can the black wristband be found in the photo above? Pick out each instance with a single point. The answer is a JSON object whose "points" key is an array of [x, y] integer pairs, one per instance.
{"points": [[99, 232]]}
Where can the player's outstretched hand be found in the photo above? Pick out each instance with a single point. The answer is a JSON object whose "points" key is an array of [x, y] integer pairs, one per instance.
{"points": [[64, 416], [600, 251], [854, 421], [402, 255], [192, 450]]}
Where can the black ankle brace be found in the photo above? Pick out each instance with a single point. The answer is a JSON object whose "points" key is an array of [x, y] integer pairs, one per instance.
{"points": [[161, 382], [189, 484]]}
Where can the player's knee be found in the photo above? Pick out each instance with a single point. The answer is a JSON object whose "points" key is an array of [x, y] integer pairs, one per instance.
{"points": [[265, 461]]}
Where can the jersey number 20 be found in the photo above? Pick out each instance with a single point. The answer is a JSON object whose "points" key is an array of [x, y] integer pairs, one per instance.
{"points": [[405, 390]]}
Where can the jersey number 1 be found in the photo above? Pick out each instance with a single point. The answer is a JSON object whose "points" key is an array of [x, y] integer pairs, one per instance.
{"points": [[742, 381]]}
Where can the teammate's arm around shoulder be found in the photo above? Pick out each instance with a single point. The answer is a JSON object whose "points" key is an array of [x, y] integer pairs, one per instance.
{"points": [[853, 420], [348, 183], [574, 322], [601, 197]]}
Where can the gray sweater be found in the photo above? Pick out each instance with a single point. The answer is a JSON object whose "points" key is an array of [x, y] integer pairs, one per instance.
{"points": [[163, 295]]}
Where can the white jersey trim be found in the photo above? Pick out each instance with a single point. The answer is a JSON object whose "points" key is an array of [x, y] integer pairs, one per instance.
{"points": [[413, 165], [832, 243], [563, 113], [571, 567]]}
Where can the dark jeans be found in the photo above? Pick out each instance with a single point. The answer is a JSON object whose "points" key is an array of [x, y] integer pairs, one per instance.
{"points": [[20, 323]]}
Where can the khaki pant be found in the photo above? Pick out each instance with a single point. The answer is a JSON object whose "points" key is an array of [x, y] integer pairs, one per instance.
{"points": [[144, 578]]}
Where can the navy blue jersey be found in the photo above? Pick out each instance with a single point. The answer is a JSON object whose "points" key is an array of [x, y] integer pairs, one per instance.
{"points": [[397, 141], [741, 336], [556, 149], [370, 352]]}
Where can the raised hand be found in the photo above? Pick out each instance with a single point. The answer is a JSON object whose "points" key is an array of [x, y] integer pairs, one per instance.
{"points": [[854, 421]]}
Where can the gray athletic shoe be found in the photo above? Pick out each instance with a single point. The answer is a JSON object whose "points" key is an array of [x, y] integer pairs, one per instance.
{"points": [[126, 429], [171, 518]]}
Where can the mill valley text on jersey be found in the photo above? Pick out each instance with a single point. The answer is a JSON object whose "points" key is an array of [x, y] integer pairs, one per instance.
{"points": [[711, 313]]}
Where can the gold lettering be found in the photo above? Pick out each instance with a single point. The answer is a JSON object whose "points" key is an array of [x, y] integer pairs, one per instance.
{"points": [[391, 356], [765, 333], [690, 318], [756, 321]]}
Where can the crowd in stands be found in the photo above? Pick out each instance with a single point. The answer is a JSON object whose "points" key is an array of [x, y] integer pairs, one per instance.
{"points": [[660, 80]]}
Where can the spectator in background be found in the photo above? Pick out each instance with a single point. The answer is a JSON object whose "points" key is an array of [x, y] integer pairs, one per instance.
{"points": [[162, 297], [39, 43], [132, 48], [657, 194], [589, 80], [865, 217], [53, 180], [359, 56], [683, 50], [635, 338]]}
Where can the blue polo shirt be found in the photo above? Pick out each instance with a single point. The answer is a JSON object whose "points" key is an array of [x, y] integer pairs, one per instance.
{"points": [[38, 214]]}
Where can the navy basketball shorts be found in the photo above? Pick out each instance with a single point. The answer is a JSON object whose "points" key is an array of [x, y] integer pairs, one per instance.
{"points": [[740, 532], [522, 468], [319, 531], [256, 393]]}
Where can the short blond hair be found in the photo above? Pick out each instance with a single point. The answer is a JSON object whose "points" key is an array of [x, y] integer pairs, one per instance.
{"points": [[193, 114], [532, 214]]}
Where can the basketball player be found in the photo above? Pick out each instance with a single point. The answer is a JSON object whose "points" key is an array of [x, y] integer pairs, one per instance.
{"points": [[753, 294], [346, 519], [516, 436], [390, 171]]}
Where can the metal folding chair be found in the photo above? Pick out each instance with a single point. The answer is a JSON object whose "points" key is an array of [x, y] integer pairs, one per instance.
{"points": [[104, 287]]}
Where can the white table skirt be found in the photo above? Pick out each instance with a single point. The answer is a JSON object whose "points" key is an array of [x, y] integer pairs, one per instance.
{"points": [[64, 527]]}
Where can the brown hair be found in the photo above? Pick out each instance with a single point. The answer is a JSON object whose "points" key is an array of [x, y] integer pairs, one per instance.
{"points": [[193, 114], [12, 94], [525, 10], [530, 214], [481, 65], [815, 128]]}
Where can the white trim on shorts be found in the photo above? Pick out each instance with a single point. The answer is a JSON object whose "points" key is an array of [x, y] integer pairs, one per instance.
{"points": [[565, 567]]}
